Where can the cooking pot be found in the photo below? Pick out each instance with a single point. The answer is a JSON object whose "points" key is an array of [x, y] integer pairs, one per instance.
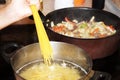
{"points": [[96, 48], [61, 51], [21, 56]]}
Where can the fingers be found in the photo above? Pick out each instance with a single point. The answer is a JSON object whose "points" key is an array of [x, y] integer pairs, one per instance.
{"points": [[28, 1], [33, 2]]}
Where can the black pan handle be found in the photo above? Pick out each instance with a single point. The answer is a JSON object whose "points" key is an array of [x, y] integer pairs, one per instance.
{"points": [[2, 1], [101, 76], [98, 4], [41, 15], [8, 49]]}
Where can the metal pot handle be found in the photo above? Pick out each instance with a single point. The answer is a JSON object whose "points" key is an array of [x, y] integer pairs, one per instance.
{"points": [[97, 75], [8, 49], [101, 76], [88, 77]]}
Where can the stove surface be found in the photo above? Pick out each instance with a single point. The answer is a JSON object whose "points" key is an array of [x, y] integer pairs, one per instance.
{"points": [[24, 34]]}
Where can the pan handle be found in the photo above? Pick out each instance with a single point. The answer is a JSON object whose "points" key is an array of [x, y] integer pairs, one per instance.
{"points": [[8, 49], [88, 77], [101, 76], [41, 15], [98, 4], [2, 1], [97, 75]]}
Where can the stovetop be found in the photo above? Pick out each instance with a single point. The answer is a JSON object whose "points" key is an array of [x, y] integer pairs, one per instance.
{"points": [[110, 66]]}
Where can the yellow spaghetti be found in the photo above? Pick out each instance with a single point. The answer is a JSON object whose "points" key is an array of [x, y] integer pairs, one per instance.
{"points": [[52, 72], [46, 49]]}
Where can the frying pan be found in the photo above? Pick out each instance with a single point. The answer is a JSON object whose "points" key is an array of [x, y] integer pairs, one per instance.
{"points": [[96, 48]]}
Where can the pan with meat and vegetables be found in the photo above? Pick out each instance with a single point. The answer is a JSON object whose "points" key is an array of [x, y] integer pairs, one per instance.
{"points": [[96, 31], [83, 29]]}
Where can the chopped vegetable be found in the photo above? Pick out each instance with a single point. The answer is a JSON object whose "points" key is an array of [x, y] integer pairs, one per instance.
{"points": [[83, 29], [58, 28], [71, 22]]}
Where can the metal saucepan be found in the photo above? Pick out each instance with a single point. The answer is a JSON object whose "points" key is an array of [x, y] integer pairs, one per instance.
{"points": [[61, 51], [19, 56], [96, 48]]}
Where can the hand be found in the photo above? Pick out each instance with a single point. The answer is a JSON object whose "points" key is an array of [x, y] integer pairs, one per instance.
{"points": [[21, 7], [15, 11]]}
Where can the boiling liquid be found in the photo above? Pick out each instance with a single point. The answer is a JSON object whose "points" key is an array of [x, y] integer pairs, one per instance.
{"points": [[59, 70]]}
